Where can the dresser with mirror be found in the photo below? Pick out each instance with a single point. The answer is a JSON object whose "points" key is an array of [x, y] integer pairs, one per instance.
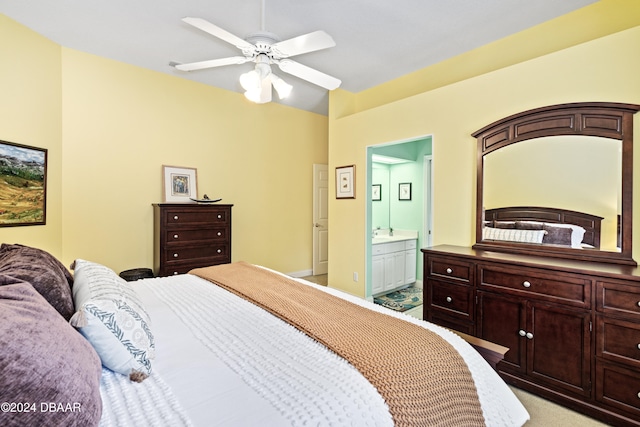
{"points": [[551, 275]]}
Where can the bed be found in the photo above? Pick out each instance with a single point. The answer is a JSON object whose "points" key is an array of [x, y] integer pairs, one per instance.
{"points": [[551, 226], [213, 348]]}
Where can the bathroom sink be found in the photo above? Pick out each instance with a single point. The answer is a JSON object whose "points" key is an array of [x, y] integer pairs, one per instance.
{"points": [[384, 239], [397, 237]]}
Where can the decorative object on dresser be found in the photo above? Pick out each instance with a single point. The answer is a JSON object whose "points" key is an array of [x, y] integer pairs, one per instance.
{"points": [[179, 184], [583, 152], [190, 235], [572, 327]]}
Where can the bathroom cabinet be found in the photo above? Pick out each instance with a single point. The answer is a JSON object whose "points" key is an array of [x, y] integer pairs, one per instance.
{"points": [[393, 265]]}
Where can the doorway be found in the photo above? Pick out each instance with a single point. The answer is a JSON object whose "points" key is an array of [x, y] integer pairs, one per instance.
{"points": [[390, 167], [320, 219]]}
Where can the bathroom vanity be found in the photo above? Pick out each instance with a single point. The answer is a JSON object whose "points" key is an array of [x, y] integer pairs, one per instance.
{"points": [[394, 260]]}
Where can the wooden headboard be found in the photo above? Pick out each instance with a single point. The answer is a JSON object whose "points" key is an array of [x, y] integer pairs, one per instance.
{"points": [[591, 223]]}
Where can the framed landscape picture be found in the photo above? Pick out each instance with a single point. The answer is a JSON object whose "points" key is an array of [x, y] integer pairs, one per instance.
{"points": [[23, 185]]}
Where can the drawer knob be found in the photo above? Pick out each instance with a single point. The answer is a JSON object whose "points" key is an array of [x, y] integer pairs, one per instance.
{"points": [[522, 332], [175, 217], [529, 335], [175, 273], [638, 346], [526, 284], [219, 251], [219, 216], [175, 236], [175, 255], [449, 271], [449, 299], [219, 233], [638, 303]]}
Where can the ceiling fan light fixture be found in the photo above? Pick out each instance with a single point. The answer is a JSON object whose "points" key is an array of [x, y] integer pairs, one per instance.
{"points": [[253, 95], [283, 88], [250, 80]]}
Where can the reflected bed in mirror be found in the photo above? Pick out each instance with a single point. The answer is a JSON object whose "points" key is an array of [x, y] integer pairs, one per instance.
{"points": [[564, 164], [544, 226]]}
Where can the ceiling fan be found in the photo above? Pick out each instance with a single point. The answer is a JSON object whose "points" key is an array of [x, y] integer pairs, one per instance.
{"points": [[265, 48]]}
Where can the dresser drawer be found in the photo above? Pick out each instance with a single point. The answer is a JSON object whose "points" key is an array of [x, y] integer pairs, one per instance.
{"points": [[175, 218], [618, 340], [619, 387], [450, 268], [562, 288], [218, 234], [618, 299], [450, 298], [210, 251]]}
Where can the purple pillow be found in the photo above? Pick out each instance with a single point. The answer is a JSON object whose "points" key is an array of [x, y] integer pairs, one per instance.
{"points": [[529, 225], [44, 361], [557, 235], [504, 224], [50, 278]]}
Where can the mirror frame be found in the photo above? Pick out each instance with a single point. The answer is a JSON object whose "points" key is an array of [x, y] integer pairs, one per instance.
{"points": [[603, 119]]}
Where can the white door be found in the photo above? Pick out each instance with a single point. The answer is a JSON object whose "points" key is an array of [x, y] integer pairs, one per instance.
{"points": [[320, 219]]}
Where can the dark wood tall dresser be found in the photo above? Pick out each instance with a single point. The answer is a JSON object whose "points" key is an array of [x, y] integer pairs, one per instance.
{"points": [[190, 235]]}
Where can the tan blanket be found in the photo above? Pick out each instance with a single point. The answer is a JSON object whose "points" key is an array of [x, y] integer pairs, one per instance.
{"points": [[424, 381]]}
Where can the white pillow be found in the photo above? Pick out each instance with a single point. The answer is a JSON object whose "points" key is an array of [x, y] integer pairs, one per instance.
{"points": [[513, 235], [110, 315]]}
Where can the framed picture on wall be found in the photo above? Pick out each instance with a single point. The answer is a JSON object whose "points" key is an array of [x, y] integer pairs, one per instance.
{"points": [[23, 185], [179, 184], [346, 182], [376, 192], [404, 191]]}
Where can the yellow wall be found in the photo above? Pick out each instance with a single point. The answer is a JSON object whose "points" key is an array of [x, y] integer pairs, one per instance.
{"points": [[30, 114], [111, 127], [604, 69]]}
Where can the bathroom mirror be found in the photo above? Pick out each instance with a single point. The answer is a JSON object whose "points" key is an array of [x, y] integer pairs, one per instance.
{"points": [[555, 168], [380, 205]]}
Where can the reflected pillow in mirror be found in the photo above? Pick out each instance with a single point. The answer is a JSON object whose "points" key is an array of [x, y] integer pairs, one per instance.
{"points": [[504, 224], [557, 235], [576, 236], [529, 225]]}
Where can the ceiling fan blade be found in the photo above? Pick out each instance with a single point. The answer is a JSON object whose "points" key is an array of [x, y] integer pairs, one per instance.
{"points": [[192, 66], [218, 32], [303, 44], [309, 74]]}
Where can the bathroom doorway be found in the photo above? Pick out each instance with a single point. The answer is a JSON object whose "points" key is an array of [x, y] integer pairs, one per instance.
{"points": [[399, 194]]}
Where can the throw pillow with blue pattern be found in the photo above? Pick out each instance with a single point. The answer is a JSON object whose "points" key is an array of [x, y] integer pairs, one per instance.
{"points": [[111, 316]]}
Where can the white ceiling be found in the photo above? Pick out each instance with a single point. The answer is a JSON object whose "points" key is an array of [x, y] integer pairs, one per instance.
{"points": [[376, 40]]}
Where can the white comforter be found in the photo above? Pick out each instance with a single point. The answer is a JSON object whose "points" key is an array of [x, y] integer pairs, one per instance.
{"points": [[221, 361]]}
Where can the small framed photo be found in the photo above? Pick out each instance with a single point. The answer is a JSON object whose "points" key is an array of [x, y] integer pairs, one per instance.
{"points": [[404, 191], [376, 192], [23, 185], [345, 182], [180, 184]]}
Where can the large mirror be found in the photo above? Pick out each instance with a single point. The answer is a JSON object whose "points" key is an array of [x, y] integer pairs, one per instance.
{"points": [[556, 181]]}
